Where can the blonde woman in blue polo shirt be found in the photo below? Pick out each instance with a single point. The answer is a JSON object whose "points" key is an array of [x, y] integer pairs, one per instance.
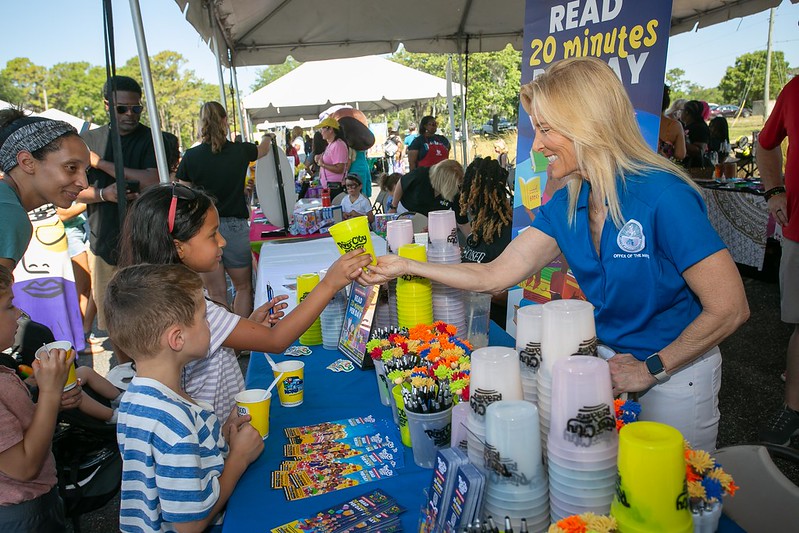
{"points": [[635, 232]]}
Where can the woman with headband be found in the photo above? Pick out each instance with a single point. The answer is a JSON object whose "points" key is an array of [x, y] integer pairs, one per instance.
{"points": [[43, 161]]}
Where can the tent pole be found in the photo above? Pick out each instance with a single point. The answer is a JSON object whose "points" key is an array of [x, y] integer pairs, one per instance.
{"points": [[451, 108], [149, 92], [464, 125], [244, 127], [215, 48]]}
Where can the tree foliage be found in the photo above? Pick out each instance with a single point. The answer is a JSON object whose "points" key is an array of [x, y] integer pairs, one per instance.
{"points": [[682, 88], [270, 73], [493, 81], [745, 81], [76, 88]]}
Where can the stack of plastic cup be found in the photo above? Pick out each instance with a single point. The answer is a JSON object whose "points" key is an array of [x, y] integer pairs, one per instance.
{"points": [[414, 293], [448, 304], [460, 421], [305, 284], [567, 328], [528, 344], [516, 484], [583, 443], [332, 317], [494, 376], [651, 494], [398, 233]]}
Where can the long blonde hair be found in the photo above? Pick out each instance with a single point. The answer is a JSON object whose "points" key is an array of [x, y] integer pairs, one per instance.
{"points": [[583, 99], [212, 131]]}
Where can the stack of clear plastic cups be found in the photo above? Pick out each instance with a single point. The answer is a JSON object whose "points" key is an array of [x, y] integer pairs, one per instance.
{"points": [[332, 317], [448, 305], [398, 233], [528, 344], [516, 484], [583, 443], [414, 293], [305, 284], [460, 421], [567, 328], [494, 376]]}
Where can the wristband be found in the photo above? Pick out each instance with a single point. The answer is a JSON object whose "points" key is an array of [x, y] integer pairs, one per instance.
{"points": [[101, 195], [773, 192]]}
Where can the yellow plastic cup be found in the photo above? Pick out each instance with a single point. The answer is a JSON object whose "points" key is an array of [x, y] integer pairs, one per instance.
{"points": [[291, 386], [405, 432], [72, 378], [353, 233], [417, 252], [305, 284], [255, 402], [651, 493]]}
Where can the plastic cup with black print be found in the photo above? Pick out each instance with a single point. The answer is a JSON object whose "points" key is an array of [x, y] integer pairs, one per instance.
{"points": [[398, 233], [441, 227], [494, 376], [353, 233], [512, 433], [430, 432], [583, 423], [567, 328]]}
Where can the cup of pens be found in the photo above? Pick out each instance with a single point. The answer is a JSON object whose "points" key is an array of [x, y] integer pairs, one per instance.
{"points": [[429, 411]]}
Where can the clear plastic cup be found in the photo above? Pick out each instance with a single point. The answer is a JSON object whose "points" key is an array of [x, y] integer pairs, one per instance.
{"points": [[429, 433], [567, 329], [441, 227], [494, 376], [512, 432], [478, 318], [398, 233], [583, 423]]}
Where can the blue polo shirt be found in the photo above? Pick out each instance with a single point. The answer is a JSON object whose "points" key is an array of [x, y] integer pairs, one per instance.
{"points": [[642, 303]]}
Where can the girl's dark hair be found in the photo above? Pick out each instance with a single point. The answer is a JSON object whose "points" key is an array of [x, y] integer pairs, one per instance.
{"points": [[666, 97], [145, 234], [424, 121], [693, 108], [719, 129], [485, 197]]}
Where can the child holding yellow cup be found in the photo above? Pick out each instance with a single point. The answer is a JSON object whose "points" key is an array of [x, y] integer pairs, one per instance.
{"points": [[72, 379], [352, 234]]}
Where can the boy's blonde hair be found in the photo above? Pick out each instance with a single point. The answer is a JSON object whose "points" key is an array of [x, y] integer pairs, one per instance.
{"points": [[143, 301]]}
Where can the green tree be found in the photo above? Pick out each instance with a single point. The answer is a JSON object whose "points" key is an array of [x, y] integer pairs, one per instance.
{"points": [[675, 79], [745, 82], [270, 73], [493, 77], [77, 89], [27, 82]]}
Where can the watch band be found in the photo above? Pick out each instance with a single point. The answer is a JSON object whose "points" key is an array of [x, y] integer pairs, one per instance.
{"points": [[773, 192], [655, 367]]}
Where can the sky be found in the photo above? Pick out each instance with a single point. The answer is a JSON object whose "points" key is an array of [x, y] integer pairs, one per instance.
{"points": [[73, 31]]}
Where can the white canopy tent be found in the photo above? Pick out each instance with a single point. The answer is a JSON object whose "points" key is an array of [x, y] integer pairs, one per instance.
{"points": [[371, 84], [261, 32]]}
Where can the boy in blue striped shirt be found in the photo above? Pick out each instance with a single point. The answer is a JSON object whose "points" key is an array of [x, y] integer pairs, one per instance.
{"points": [[179, 464]]}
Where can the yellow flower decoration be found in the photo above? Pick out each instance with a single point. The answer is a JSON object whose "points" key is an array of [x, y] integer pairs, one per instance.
{"points": [[696, 490]]}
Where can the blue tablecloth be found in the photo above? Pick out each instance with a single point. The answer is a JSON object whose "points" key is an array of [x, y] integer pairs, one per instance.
{"points": [[255, 506]]}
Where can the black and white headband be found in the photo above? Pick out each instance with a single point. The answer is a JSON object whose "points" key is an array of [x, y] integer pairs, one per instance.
{"points": [[28, 134]]}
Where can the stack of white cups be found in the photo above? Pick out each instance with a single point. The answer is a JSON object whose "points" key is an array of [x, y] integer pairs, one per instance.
{"points": [[494, 376], [448, 305], [528, 344], [516, 484], [567, 329], [332, 317], [583, 445], [398, 233]]}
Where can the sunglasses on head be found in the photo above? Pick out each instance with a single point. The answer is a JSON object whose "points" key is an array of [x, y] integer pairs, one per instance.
{"points": [[182, 192], [124, 109]]}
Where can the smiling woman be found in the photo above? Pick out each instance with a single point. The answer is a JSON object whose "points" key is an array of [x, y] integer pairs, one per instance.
{"points": [[43, 161]]}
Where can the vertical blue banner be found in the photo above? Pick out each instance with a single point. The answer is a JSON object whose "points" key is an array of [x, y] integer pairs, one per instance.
{"points": [[632, 37]]}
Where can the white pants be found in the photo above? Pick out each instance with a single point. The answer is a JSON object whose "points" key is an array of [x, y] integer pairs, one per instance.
{"points": [[689, 401]]}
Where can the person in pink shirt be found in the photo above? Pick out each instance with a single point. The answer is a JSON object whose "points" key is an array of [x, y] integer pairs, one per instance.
{"points": [[334, 161]]}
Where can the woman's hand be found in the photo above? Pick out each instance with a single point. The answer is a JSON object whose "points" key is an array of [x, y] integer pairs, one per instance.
{"points": [[262, 315], [318, 159], [347, 268], [388, 267], [628, 374]]}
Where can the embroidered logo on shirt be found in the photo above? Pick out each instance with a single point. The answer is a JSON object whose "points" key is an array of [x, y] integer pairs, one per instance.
{"points": [[631, 237]]}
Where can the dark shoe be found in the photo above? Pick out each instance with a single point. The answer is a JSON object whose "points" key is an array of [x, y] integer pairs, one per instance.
{"points": [[783, 425]]}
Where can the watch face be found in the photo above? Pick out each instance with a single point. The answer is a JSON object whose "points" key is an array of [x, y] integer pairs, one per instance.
{"points": [[654, 364]]}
